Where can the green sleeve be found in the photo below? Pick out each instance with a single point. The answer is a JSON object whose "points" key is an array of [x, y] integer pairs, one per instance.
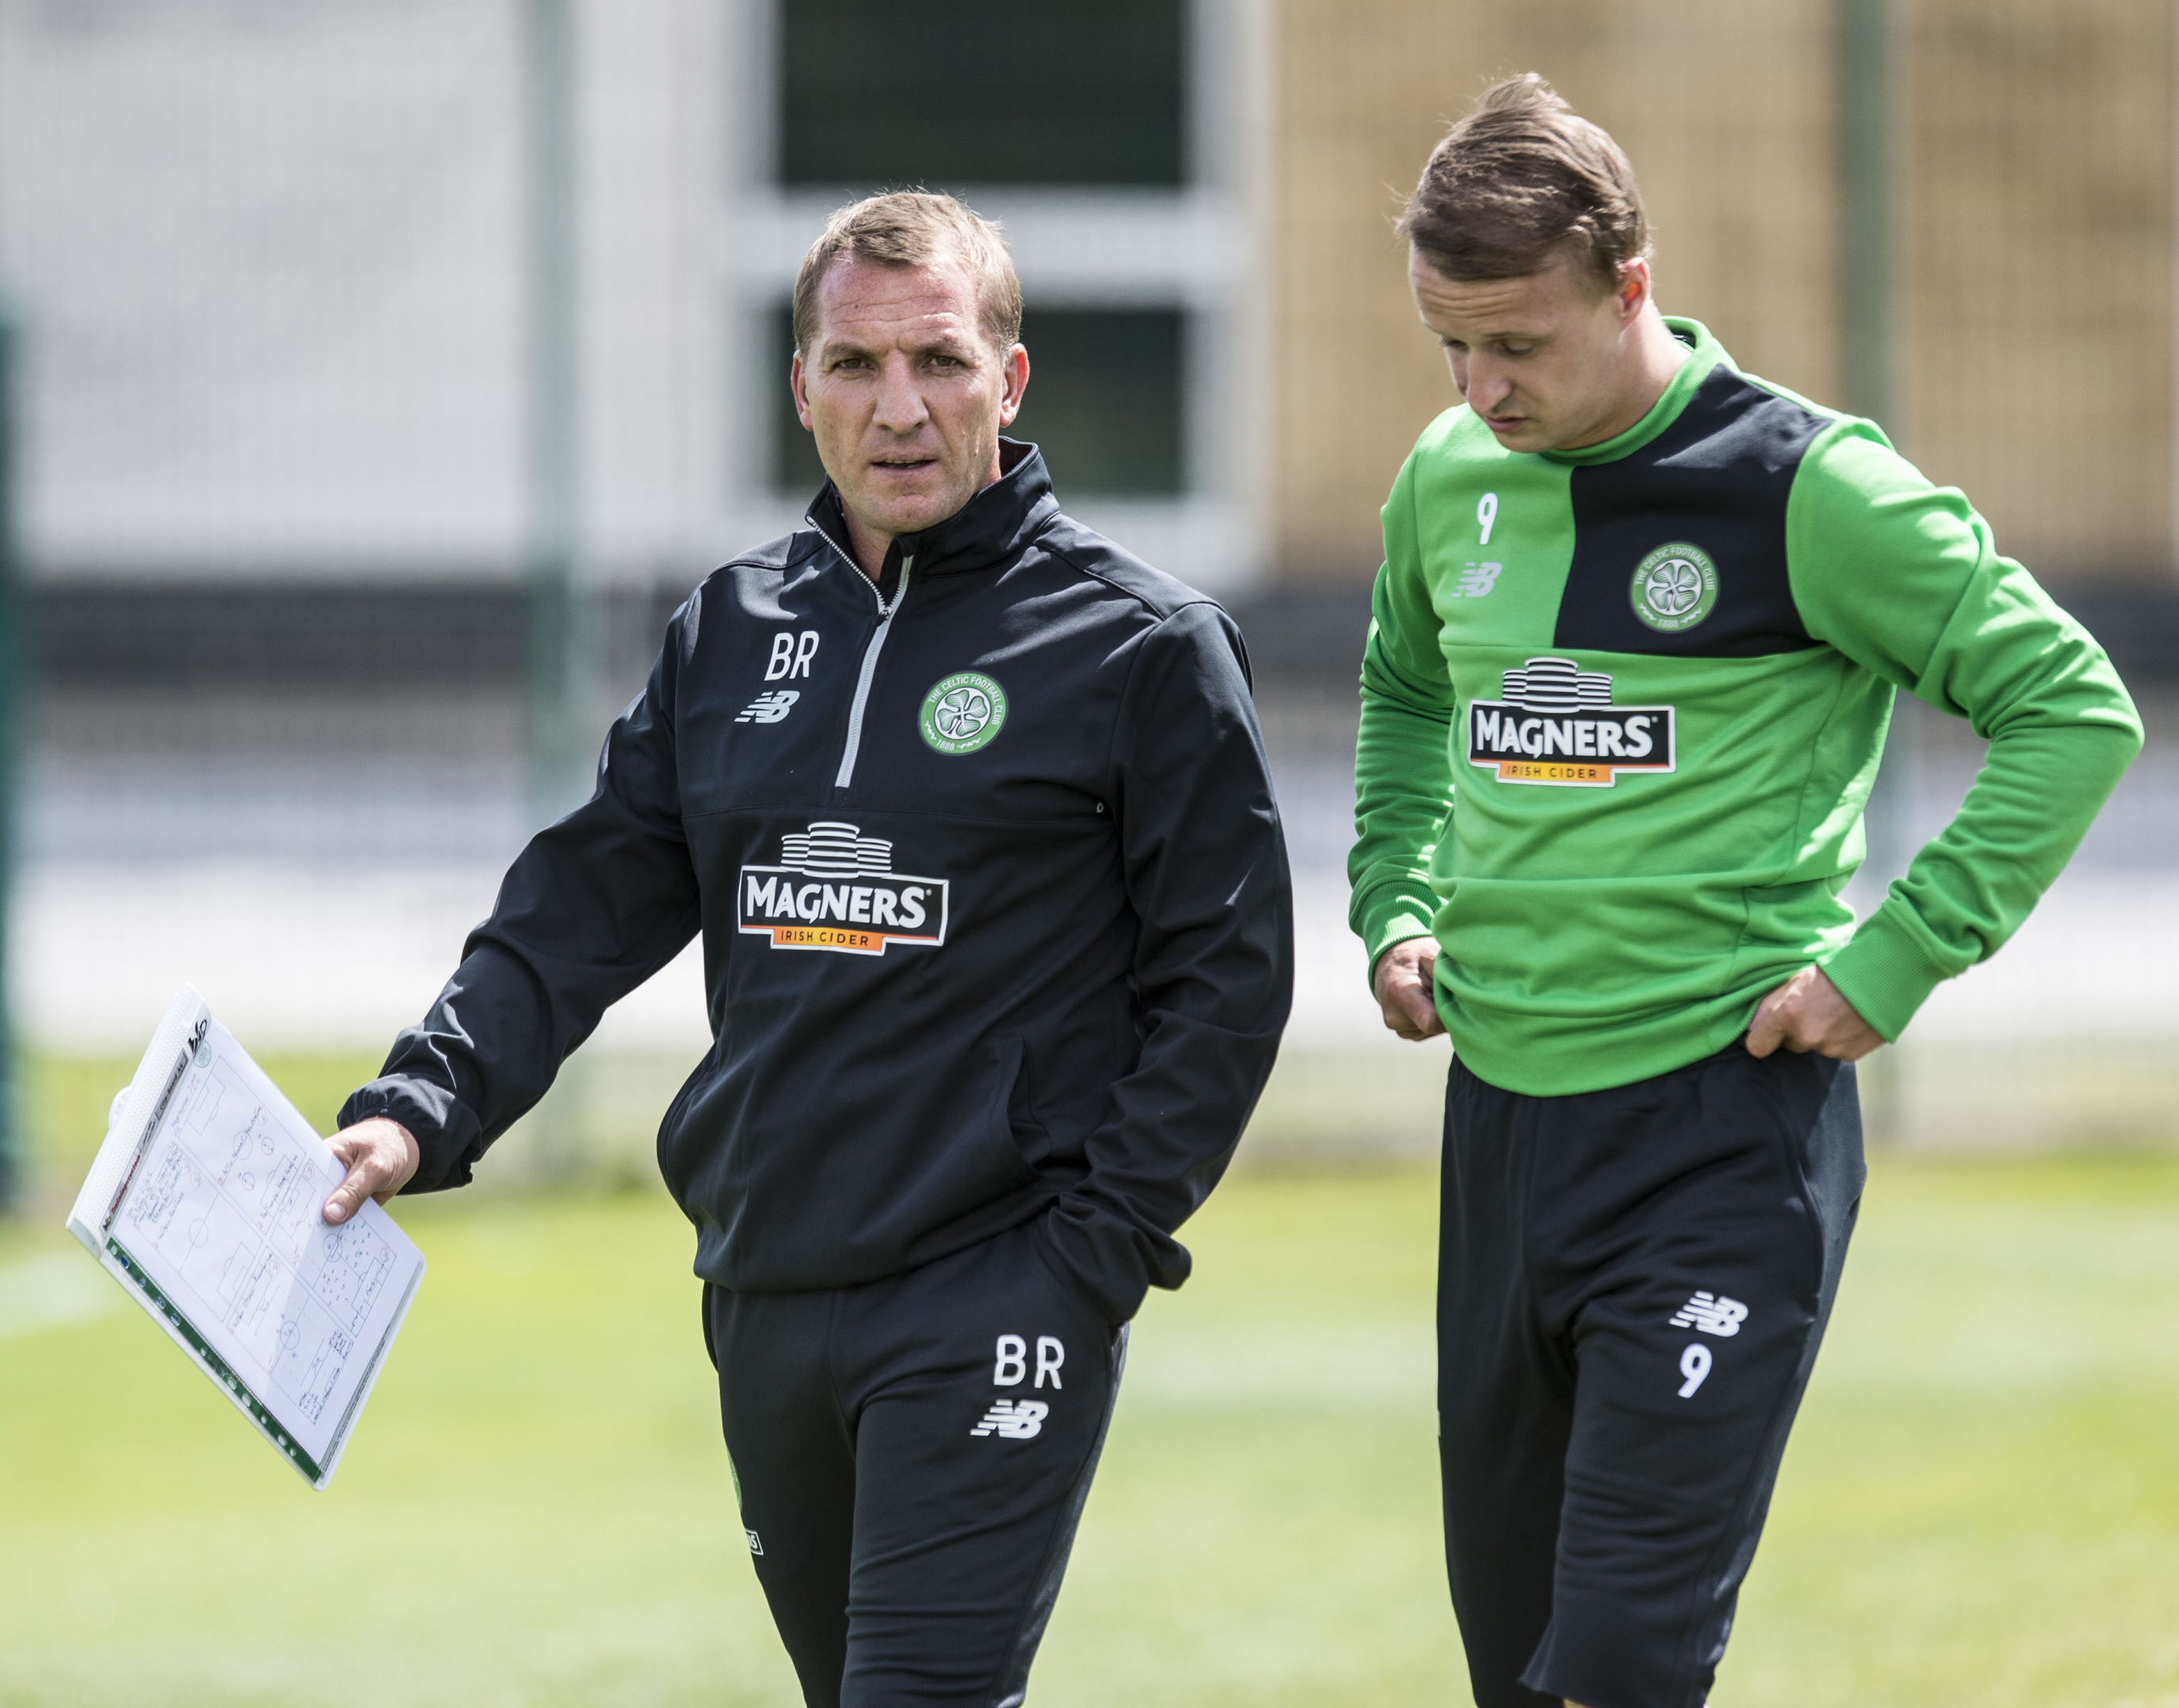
{"points": [[1902, 577], [1403, 770]]}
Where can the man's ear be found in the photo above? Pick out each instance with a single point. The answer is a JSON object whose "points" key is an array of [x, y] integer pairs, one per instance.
{"points": [[799, 386], [1017, 385], [1632, 293]]}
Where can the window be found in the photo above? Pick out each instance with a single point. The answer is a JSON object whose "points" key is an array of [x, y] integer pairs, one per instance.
{"points": [[1104, 400], [1105, 404], [873, 94], [1115, 143]]}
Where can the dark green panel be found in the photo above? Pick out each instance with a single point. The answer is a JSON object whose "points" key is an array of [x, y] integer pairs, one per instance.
{"points": [[875, 93], [1106, 403]]}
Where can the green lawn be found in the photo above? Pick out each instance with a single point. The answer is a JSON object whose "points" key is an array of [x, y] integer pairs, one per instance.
{"points": [[1981, 1505]]}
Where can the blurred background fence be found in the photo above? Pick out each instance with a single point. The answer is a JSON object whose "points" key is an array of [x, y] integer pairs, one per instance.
{"points": [[390, 368]]}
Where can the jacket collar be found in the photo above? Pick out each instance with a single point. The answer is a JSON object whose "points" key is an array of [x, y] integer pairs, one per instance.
{"points": [[988, 531]]}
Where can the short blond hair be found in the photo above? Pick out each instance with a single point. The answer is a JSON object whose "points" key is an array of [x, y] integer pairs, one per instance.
{"points": [[912, 228]]}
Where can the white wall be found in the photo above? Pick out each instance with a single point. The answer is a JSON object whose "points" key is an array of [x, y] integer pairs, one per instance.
{"points": [[262, 254], [269, 257]]}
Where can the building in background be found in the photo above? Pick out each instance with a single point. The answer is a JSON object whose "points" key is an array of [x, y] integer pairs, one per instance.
{"points": [[272, 264], [270, 254], [2034, 144], [272, 258]]}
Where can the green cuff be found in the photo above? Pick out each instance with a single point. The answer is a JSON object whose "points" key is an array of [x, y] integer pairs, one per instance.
{"points": [[1389, 919], [1885, 971]]}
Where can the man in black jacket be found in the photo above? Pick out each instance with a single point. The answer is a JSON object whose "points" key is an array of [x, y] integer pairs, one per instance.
{"points": [[972, 812]]}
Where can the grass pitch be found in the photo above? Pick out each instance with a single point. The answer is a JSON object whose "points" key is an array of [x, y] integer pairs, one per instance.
{"points": [[1981, 1505]]}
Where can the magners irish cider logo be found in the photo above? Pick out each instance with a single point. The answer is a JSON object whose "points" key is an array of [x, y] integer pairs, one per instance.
{"points": [[1556, 724], [835, 889]]}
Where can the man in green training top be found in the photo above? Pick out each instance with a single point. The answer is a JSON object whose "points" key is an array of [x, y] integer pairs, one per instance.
{"points": [[1636, 640]]}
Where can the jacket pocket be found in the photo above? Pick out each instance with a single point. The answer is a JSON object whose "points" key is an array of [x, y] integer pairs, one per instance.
{"points": [[669, 1125], [971, 1166], [1008, 1130], [1027, 1133]]}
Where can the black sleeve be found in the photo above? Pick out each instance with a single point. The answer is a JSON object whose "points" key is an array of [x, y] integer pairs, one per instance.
{"points": [[1205, 869], [593, 906]]}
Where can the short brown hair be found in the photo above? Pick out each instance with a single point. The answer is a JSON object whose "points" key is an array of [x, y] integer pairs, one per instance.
{"points": [[1521, 178], [912, 228]]}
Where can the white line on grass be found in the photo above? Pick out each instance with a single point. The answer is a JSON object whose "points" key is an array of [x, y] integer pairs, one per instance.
{"points": [[50, 1291]]}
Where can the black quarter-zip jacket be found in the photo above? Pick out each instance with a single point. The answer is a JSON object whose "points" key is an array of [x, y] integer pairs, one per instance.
{"points": [[993, 895]]}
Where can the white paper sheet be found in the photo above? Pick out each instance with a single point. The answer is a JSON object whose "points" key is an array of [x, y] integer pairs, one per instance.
{"points": [[206, 1203]]}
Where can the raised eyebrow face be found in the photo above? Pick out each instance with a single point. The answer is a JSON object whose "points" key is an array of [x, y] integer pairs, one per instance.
{"points": [[962, 350], [835, 349]]}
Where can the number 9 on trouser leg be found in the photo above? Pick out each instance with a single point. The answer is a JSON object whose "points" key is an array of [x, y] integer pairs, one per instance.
{"points": [[1641, 623], [1632, 1286]]}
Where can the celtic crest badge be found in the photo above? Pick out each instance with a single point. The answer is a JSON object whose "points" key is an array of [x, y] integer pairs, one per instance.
{"points": [[963, 712], [1674, 588]]}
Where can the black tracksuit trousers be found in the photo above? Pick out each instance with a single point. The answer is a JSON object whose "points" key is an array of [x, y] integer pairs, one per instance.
{"points": [[1633, 1284], [912, 1457]]}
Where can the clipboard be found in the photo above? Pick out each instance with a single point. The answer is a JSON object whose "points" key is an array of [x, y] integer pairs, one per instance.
{"points": [[205, 1204]]}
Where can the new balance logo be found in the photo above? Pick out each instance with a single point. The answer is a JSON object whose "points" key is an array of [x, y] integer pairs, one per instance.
{"points": [[1711, 1313], [1476, 580], [770, 708], [755, 1541], [1017, 1420]]}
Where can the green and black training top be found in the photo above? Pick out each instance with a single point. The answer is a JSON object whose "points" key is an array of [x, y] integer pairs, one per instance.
{"points": [[1621, 708]]}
